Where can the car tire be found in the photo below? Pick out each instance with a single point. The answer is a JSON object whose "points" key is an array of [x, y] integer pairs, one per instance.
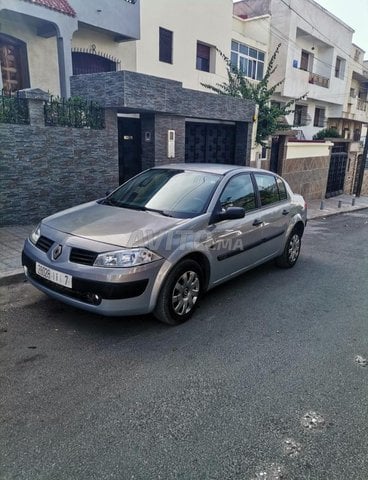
{"points": [[291, 251], [180, 294]]}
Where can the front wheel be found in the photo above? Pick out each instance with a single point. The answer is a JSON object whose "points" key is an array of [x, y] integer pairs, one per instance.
{"points": [[180, 293], [291, 251]]}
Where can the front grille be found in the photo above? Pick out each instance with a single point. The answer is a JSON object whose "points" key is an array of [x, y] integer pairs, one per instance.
{"points": [[83, 290], [44, 244], [84, 257]]}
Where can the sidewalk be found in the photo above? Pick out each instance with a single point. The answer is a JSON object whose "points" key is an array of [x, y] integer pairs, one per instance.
{"points": [[12, 238]]}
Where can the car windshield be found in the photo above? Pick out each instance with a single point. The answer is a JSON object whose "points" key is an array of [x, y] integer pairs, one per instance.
{"points": [[175, 193]]}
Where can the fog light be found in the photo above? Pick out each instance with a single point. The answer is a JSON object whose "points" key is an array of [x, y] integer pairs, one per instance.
{"points": [[25, 269], [94, 298]]}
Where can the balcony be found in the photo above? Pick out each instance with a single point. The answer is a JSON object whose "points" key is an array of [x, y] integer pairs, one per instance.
{"points": [[319, 80], [115, 16]]}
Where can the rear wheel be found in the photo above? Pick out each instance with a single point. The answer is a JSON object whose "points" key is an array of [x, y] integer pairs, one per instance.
{"points": [[180, 293], [291, 251]]}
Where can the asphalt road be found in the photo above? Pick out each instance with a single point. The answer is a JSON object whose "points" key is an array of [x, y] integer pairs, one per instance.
{"points": [[221, 397]]}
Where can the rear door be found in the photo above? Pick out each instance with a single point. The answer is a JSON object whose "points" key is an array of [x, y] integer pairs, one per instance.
{"points": [[274, 213]]}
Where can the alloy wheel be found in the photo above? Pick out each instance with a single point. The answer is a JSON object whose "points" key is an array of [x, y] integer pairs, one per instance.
{"points": [[185, 293]]}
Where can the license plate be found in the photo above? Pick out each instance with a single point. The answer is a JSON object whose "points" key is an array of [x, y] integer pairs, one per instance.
{"points": [[54, 276]]}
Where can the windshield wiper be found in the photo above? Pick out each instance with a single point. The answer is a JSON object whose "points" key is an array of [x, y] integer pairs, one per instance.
{"points": [[110, 202], [161, 212], [114, 203]]}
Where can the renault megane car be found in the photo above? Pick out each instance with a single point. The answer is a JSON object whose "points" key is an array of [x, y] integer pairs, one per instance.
{"points": [[162, 239]]}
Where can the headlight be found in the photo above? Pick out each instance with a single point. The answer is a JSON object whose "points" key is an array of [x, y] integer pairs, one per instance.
{"points": [[126, 258], [35, 235]]}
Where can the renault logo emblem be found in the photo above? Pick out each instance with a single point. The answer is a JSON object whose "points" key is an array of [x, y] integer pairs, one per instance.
{"points": [[57, 252]]}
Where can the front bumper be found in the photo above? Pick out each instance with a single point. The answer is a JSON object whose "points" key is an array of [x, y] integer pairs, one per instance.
{"points": [[129, 294]]}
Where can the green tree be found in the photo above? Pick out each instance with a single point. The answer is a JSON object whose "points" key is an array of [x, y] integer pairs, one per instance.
{"points": [[270, 115], [326, 133]]}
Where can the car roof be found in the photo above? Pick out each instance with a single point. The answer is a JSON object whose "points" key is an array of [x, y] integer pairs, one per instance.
{"points": [[218, 168]]}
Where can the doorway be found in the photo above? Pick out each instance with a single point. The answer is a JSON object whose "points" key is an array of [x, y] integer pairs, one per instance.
{"points": [[130, 158]]}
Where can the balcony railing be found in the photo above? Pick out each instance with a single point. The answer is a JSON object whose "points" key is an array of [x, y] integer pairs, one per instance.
{"points": [[362, 105], [319, 80]]}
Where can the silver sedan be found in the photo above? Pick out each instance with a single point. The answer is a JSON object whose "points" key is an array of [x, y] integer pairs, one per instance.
{"points": [[165, 237]]}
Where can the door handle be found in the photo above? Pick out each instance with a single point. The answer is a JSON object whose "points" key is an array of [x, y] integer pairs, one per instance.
{"points": [[257, 222], [285, 212]]}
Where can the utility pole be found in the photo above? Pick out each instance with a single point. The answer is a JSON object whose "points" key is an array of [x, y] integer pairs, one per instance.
{"points": [[362, 166]]}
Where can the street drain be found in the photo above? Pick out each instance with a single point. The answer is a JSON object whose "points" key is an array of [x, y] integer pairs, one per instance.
{"points": [[273, 472], [313, 421], [361, 361], [291, 447]]}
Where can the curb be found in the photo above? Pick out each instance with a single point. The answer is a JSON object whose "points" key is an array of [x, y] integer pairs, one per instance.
{"points": [[16, 276], [332, 214]]}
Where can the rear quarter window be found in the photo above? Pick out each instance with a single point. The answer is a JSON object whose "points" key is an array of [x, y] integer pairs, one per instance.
{"points": [[282, 189]]}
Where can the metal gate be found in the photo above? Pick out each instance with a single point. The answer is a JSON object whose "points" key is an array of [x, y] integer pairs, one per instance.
{"points": [[336, 173], [209, 143]]}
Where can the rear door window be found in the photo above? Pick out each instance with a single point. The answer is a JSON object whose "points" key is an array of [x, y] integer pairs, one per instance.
{"points": [[268, 189]]}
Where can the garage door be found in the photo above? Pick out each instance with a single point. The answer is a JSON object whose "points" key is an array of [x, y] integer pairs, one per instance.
{"points": [[209, 143]]}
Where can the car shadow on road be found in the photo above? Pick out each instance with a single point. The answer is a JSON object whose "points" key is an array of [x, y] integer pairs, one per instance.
{"points": [[252, 284]]}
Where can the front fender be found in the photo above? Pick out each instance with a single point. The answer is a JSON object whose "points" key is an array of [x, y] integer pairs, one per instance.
{"points": [[183, 251]]}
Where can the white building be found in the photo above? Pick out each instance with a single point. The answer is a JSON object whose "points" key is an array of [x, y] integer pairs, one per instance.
{"points": [[314, 58]]}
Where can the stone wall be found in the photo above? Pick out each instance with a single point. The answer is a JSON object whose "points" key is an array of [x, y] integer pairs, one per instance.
{"points": [[46, 169], [307, 176], [365, 184], [163, 123], [305, 166]]}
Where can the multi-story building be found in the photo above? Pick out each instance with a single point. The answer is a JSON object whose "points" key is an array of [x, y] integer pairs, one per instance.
{"points": [[313, 58], [320, 68]]}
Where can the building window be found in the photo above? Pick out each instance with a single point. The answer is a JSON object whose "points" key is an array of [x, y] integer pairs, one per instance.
{"points": [[166, 46], [13, 63], [339, 67], [356, 135], [247, 60], [203, 57], [305, 61], [352, 92], [90, 63], [319, 117], [300, 115]]}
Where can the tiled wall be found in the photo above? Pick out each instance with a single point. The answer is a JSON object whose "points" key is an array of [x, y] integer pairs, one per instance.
{"points": [[307, 176]]}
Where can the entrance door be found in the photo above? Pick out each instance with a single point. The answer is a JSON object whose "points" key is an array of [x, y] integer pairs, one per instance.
{"points": [[336, 173], [358, 180], [130, 161], [275, 150]]}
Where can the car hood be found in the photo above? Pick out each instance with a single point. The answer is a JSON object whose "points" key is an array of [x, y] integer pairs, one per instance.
{"points": [[112, 225]]}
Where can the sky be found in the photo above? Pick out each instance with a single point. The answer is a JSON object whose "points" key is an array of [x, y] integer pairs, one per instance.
{"points": [[355, 14]]}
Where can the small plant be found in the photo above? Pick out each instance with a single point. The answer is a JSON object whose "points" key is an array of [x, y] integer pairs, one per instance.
{"points": [[13, 109], [326, 133], [74, 112]]}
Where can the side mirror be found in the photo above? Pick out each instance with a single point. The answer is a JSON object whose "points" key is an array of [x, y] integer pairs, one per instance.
{"points": [[231, 213]]}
